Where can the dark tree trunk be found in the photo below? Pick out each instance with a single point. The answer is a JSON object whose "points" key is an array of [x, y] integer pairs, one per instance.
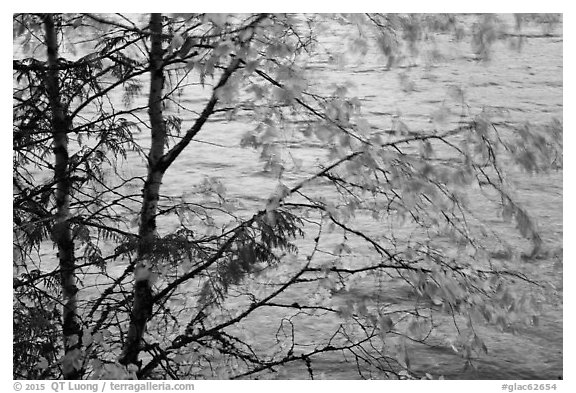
{"points": [[61, 231], [158, 163], [142, 305]]}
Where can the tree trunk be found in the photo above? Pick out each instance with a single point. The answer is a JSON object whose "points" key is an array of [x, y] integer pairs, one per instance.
{"points": [[61, 232], [142, 304]]}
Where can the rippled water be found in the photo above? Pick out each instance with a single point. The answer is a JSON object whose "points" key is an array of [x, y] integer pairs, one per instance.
{"points": [[518, 86]]}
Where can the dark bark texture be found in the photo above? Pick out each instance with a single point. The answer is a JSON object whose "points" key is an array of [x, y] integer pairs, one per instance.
{"points": [[61, 231], [143, 300]]}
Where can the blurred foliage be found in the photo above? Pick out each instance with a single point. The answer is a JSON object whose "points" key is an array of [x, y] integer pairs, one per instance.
{"points": [[306, 257]]}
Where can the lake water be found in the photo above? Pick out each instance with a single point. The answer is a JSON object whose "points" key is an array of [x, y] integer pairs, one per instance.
{"points": [[519, 86]]}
